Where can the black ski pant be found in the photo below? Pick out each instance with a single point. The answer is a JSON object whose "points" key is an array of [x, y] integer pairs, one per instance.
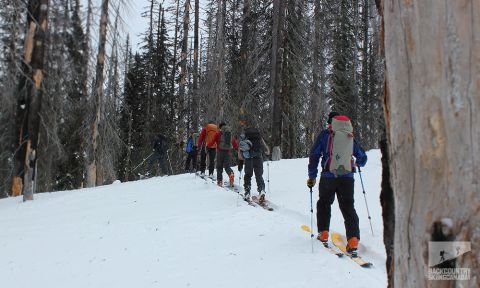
{"points": [[252, 165], [161, 158], [223, 161], [343, 187], [211, 160], [191, 158]]}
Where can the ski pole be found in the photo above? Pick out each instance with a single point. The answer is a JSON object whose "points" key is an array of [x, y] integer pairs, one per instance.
{"points": [[311, 215], [239, 184], [268, 176], [143, 161], [365, 197]]}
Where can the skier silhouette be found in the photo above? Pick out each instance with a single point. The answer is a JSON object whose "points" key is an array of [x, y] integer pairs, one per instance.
{"points": [[442, 256]]}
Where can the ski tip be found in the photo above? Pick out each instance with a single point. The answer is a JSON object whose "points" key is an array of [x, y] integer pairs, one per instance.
{"points": [[366, 265], [306, 228]]}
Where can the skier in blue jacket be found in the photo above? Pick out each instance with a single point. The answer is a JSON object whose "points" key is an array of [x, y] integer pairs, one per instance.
{"points": [[192, 151], [330, 184]]}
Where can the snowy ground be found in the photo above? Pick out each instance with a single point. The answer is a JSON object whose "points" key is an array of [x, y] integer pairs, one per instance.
{"points": [[180, 232]]}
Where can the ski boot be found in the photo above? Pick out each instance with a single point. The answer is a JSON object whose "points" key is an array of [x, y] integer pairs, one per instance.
{"points": [[261, 199], [220, 183], [246, 196], [323, 237], [231, 179], [352, 246]]}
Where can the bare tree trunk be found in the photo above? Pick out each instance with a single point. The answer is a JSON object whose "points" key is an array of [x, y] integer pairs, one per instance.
{"points": [[432, 102], [98, 93], [174, 66], [318, 69], [196, 96], [244, 57], [183, 70], [183, 57], [220, 63], [30, 98], [276, 84]]}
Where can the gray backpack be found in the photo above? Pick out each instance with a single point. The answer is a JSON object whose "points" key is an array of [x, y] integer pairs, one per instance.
{"points": [[245, 145], [341, 146], [226, 138]]}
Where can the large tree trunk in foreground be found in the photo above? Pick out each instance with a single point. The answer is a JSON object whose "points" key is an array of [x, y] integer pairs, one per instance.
{"points": [[432, 52], [30, 99]]}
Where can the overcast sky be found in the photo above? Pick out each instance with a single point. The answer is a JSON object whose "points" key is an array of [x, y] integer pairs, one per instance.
{"points": [[135, 24]]}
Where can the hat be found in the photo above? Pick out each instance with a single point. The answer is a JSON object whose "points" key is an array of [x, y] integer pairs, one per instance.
{"points": [[221, 125], [331, 115]]}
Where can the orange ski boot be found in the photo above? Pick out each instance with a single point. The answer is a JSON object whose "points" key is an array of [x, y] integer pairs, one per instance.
{"points": [[323, 236], [231, 179]]}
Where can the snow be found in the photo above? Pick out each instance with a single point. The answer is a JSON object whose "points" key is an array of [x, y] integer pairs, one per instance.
{"points": [[179, 231]]}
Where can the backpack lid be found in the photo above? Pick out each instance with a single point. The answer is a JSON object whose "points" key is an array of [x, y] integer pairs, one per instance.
{"points": [[342, 123]]}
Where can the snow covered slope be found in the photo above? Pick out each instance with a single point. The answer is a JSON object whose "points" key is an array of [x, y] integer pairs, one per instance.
{"points": [[180, 231]]}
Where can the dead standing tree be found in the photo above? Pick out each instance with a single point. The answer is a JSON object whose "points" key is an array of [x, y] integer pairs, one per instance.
{"points": [[432, 101], [30, 99], [279, 7], [98, 99]]}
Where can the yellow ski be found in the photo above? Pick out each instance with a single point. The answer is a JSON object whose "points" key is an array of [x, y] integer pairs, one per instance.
{"points": [[338, 241]]}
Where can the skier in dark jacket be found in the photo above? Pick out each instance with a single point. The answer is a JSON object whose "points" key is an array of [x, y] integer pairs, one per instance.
{"points": [[225, 142], [250, 151], [160, 148], [192, 151], [331, 184]]}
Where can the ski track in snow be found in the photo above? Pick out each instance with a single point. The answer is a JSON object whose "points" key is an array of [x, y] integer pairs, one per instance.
{"points": [[179, 232]]}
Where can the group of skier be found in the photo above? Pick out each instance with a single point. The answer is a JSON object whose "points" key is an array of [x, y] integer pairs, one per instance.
{"points": [[335, 145], [217, 143]]}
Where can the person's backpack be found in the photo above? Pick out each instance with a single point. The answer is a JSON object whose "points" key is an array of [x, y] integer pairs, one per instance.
{"points": [[210, 132], [226, 138], [189, 145], [244, 146], [340, 146], [194, 139], [160, 146], [253, 135]]}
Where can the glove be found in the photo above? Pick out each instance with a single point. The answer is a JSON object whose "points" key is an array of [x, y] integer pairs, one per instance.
{"points": [[240, 166], [311, 182]]}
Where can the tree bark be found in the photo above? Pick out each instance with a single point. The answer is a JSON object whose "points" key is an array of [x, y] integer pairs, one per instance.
{"points": [[174, 66], [98, 97], [183, 57], [220, 57], [276, 76], [30, 98], [432, 53], [244, 49], [196, 95]]}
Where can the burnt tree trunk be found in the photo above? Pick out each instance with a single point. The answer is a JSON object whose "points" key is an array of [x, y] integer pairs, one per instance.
{"points": [[432, 53], [174, 66], [183, 65], [98, 98], [196, 95], [30, 99]]}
